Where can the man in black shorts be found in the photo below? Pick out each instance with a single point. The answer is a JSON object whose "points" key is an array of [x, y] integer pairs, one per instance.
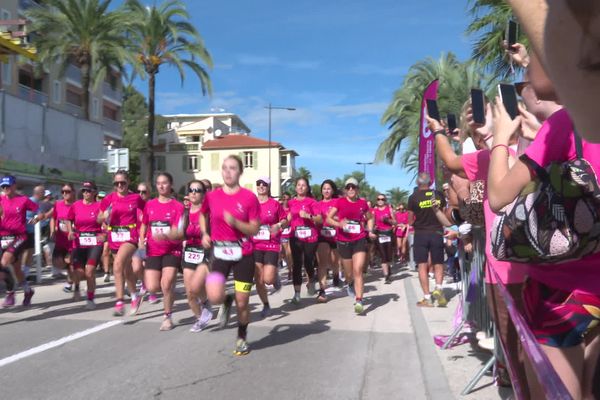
{"points": [[428, 242]]}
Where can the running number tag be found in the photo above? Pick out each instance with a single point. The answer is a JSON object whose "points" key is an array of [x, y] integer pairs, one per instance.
{"points": [[159, 228], [286, 231], [303, 232], [227, 251], [88, 239], [193, 255], [264, 233], [384, 239], [353, 227], [6, 241], [328, 232], [120, 234], [62, 226]]}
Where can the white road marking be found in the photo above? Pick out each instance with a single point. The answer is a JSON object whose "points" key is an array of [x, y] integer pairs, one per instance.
{"points": [[58, 342]]}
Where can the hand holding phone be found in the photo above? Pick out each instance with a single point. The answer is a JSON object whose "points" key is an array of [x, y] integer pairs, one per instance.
{"points": [[432, 109], [451, 118], [512, 33], [508, 94], [478, 106]]}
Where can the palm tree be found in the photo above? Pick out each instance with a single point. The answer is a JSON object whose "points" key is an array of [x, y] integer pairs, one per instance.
{"points": [[304, 173], [403, 114], [490, 18], [397, 195], [163, 35], [82, 32]]}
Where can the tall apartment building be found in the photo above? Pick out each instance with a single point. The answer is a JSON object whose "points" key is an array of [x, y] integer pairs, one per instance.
{"points": [[196, 144], [43, 133]]}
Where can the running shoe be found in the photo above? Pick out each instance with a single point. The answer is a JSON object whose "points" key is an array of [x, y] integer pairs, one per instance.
{"points": [[68, 288], [336, 281], [28, 294], [277, 283], [9, 300], [119, 310], [424, 303], [206, 315], [266, 311], [296, 299], [358, 307], [167, 324], [310, 287], [197, 327], [90, 305], [438, 295], [322, 297], [225, 311], [388, 280], [153, 299], [107, 278], [350, 290], [136, 303], [241, 348]]}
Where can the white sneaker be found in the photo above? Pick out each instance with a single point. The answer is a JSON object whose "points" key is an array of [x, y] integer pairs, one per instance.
{"points": [[487, 344], [90, 305]]}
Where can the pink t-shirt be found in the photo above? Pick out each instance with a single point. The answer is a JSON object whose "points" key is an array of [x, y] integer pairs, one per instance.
{"points": [[300, 225], [326, 231], [85, 219], [60, 214], [401, 219], [354, 212], [271, 212], [476, 166], [380, 217], [193, 233], [14, 209], [160, 218], [124, 214], [555, 143], [242, 205]]}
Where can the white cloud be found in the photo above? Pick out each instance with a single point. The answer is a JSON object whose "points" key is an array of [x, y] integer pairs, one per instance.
{"points": [[272, 61], [355, 110]]}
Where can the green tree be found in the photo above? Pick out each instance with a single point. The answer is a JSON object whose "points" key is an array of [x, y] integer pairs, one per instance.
{"points": [[490, 18], [81, 32], [163, 35], [304, 173], [396, 195], [404, 112]]}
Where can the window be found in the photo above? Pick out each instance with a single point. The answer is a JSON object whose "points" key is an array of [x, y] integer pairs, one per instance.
{"points": [[190, 163], [160, 163], [5, 14], [73, 95], [110, 112], [283, 160], [248, 159], [56, 92], [6, 72], [214, 162], [95, 108], [195, 138]]}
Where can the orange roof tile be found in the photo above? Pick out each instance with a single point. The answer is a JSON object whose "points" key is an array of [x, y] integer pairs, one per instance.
{"points": [[237, 142]]}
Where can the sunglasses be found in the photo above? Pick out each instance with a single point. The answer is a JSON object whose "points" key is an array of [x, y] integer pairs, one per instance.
{"points": [[351, 187], [195, 190], [4, 186], [119, 183], [66, 192], [261, 183], [380, 199], [142, 191], [85, 191]]}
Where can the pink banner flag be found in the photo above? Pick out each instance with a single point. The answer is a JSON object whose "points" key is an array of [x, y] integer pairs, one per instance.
{"points": [[426, 137]]}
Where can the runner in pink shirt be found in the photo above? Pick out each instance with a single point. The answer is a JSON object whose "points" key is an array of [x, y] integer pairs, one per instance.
{"points": [[286, 233], [120, 212], [138, 258], [349, 216], [327, 254], [163, 243], [234, 216], [58, 231], [303, 217], [267, 242], [384, 229], [13, 237], [87, 238], [402, 232], [195, 259]]}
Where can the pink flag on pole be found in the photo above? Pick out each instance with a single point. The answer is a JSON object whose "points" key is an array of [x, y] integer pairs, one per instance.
{"points": [[426, 137]]}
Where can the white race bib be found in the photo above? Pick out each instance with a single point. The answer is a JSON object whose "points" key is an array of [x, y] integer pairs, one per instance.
{"points": [[264, 233], [193, 255], [228, 251], [384, 239], [120, 235], [328, 232], [303, 232], [353, 227], [62, 225], [159, 228], [88, 239], [6, 241], [286, 231]]}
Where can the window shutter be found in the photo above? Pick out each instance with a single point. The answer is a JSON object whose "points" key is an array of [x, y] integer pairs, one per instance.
{"points": [[184, 164], [214, 161], [255, 159]]}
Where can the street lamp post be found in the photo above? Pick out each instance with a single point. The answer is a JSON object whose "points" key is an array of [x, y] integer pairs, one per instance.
{"points": [[271, 108], [364, 164]]}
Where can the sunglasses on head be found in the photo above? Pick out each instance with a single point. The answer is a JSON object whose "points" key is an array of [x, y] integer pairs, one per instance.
{"points": [[351, 187], [120, 183], [261, 183], [195, 190]]}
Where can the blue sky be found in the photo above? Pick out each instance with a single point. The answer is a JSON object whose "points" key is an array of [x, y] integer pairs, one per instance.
{"points": [[337, 62]]}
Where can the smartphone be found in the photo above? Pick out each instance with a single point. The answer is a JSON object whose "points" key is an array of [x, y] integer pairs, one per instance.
{"points": [[432, 110], [508, 94], [451, 118], [478, 106], [512, 32]]}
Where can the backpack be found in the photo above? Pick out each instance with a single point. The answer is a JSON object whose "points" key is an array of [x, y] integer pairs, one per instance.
{"points": [[555, 219]]}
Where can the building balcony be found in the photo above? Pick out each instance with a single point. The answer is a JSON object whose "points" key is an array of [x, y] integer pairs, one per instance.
{"points": [[73, 73], [112, 126], [113, 94], [184, 147], [74, 110], [286, 172], [30, 94]]}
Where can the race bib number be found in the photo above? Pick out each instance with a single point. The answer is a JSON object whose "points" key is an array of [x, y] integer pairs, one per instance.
{"points": [[88, 239], [120, 235], [353, 227], [384, 239], [264, 233], [286, 231], [159, 228], [303, 232], [193, 255], [328, 232], [62, 226], [228, 251], [6, 241]]}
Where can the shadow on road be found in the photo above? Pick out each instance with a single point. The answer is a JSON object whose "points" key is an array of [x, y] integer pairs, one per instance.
{"points": [[374, 302], [286, 333]]}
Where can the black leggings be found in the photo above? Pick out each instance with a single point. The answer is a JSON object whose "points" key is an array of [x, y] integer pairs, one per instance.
{"points": [[303, 251], [8, 279]]}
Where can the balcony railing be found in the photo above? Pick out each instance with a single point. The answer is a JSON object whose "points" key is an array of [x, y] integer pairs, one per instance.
{"points": [[74, 109], [74, 73], [112, 126], [184, 147], [111, 93], [30, 94]]}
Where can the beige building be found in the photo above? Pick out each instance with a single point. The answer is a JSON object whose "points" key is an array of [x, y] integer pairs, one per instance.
{"points": [[196, 145]]}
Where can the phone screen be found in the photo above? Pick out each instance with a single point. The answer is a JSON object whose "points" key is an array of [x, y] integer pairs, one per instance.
{"points": [[508, 94], [451, 123], [478, 106], [512, 31], [432, 109]]}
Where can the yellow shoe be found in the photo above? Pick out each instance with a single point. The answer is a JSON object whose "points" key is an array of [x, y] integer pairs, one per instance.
{"points": [[438, 295]]}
